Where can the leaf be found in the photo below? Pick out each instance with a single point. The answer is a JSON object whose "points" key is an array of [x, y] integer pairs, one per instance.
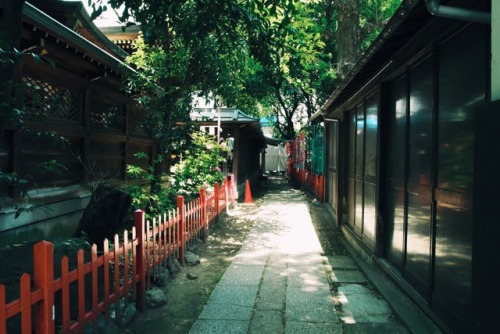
{"points": [[36, 58], [96, 12]]}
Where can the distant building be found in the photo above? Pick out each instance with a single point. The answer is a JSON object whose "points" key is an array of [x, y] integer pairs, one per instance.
{"points": [[241, 132]]}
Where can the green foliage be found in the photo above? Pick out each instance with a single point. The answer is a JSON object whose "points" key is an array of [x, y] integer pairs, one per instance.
{"points": [[142, 198], [200, 165], [374, 14], [275, 58], [12, 179], [52, 166], [16, 55]]}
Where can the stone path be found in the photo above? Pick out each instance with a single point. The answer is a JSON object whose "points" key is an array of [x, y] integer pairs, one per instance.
{"points": [[280, 281]]}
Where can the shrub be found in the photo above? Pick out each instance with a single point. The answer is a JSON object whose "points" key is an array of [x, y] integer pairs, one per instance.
{"points": [[200, 165]]}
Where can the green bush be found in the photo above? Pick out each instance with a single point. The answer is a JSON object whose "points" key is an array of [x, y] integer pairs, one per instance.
{"points": [[200, 166]]}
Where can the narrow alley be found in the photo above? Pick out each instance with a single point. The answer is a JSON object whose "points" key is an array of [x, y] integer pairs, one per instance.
{"points": [[283, 281]]}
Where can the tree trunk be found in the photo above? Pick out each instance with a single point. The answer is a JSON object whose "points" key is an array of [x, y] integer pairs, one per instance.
{"points": [[347, 35], [162, 159]]}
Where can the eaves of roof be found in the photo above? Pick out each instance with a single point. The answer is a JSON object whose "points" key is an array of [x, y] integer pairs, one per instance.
{"points": [[227, 115], [64, 34], [274, 141], [232, 116], [75, 9]]}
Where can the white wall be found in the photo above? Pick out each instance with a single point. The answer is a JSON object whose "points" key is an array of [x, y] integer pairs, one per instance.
{"points": [[495, 50]]}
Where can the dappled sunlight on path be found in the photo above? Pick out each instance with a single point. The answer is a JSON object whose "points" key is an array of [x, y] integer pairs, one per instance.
{"points": [[281, 261]]}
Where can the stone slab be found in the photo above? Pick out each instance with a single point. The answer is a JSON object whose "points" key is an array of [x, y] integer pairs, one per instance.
{"points": [[299, 327], [311, 276], [218, 311], [219, 327], [242, 295], [348, 276], [309, 296], [369, 328], [359, 304], [312, 313], [268, 321], [242, 275], [342, 262]]}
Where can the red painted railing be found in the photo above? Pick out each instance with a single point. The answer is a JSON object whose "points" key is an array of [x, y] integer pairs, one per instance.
{"points": [[311, 182], [120, 272]]}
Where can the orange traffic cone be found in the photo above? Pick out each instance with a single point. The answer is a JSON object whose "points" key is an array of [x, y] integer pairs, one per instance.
{"points": [[248, 193]]}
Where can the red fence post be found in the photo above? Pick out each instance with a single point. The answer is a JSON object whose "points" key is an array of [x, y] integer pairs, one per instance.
{"points": [[139, 217], [217, 195], [3, 310], [43, 278], [226, 193], [182, 228], [204, 220], [234, 189], [230, 189]]}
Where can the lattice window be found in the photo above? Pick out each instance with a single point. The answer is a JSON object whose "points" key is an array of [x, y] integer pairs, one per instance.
{"points": [[43, 100], [107, 116]]}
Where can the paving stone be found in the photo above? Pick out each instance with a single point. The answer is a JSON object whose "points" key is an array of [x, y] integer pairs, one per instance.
{"points": [[348, 276], [300, 327], [370, 328], [221, 311], [342, 262], [219, 327], [308, 296], [268, 321], [272, 293], [311, 313], [251, 257], [242, 275], [361, 305], [242, 295], [307, 276]]}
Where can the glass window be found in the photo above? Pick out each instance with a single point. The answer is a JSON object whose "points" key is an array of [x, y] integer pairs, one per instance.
{"points": [[461, 88], [397, 128], [360, 139], [420, 136], [371, 136]]}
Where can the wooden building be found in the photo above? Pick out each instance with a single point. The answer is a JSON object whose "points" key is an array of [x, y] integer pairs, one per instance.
{"points": [[77, 95], [411, 162]]}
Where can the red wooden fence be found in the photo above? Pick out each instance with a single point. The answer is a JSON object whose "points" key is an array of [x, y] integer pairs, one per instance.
{"points": [[311, 182], [122, 271]]}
